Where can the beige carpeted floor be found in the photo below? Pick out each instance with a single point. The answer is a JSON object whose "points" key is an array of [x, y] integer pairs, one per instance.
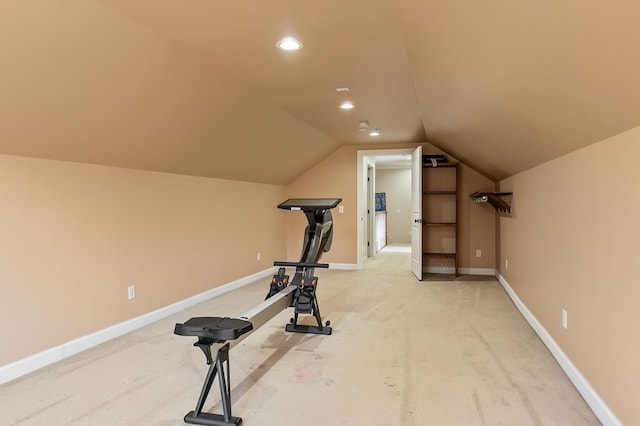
{"points": [[402, 352]]}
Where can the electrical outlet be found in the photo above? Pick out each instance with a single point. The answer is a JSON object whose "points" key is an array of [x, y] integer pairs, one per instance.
{"points": [[564, 319], [478, 253], [131, 292], [258, 256], [340, 209]]}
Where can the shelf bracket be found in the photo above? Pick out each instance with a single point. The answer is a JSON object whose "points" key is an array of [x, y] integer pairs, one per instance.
{"points": [[493, 198]]}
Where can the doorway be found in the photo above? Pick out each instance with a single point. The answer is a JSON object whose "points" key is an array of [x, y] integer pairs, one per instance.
{"points": [[370, 162]]}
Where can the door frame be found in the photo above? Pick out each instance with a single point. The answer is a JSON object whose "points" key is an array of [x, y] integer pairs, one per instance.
{"points": [[416, 213], [367, 158]]}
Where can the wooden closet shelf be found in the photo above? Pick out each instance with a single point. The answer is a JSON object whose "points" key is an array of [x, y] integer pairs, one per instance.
{"points": [[447, 255], [439, 192]]}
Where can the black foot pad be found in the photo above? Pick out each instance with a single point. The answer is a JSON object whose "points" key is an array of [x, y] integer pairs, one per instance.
{"points": [[304, 302], [308, 329]]}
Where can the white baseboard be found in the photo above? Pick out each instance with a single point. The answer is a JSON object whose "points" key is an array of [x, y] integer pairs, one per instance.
{"points": [[478, 271], [597, 405], [465, 271], [345, 266], [42, 359]]}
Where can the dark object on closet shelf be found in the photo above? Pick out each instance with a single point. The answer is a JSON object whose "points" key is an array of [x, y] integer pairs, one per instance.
{"points": [[434, 159]]}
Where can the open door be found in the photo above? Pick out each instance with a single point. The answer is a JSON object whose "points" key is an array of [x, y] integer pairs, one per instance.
{"points": [[416, 213]]}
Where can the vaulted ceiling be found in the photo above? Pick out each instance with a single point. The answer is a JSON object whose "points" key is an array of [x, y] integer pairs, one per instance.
{"points": [[198, 86]]}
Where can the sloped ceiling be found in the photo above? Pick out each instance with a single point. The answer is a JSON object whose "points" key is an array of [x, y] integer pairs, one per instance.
{"points": [[198, 87]]}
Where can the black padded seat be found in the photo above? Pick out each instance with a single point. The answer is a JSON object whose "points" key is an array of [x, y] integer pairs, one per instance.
{"points": [[216, 328]]}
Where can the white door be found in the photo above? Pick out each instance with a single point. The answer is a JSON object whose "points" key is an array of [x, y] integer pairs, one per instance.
{"points": [[416, 213]]}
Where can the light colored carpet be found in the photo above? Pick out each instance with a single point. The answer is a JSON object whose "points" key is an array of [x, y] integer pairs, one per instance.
{"points": [[402, 352]]}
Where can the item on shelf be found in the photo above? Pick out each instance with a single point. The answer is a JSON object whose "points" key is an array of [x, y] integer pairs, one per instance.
{"points": [[434, 159]]}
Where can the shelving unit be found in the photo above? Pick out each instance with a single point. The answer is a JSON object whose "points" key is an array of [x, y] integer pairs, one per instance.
{"points": [[440, 207]]}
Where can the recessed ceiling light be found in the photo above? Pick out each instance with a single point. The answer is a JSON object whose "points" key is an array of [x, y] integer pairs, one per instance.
{"points": [[375, 132], [347, 105], [289, 43]]}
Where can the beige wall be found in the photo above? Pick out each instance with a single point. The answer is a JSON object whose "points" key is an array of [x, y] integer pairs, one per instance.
{"points": [[75, 236], [396, 184], [334, 176], [572, 243], [477, 222]]}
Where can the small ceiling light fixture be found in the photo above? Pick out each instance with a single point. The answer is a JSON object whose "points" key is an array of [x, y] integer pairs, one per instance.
{"points": [[289, 43], [375, 132], [342, 89], [363, 125], [347, 105]]}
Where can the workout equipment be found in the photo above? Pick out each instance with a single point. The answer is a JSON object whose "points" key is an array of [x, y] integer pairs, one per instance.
{"points": [[299, 293]]}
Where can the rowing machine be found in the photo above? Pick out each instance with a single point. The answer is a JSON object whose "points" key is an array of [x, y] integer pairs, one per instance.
{"points": [[299, 293]]}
